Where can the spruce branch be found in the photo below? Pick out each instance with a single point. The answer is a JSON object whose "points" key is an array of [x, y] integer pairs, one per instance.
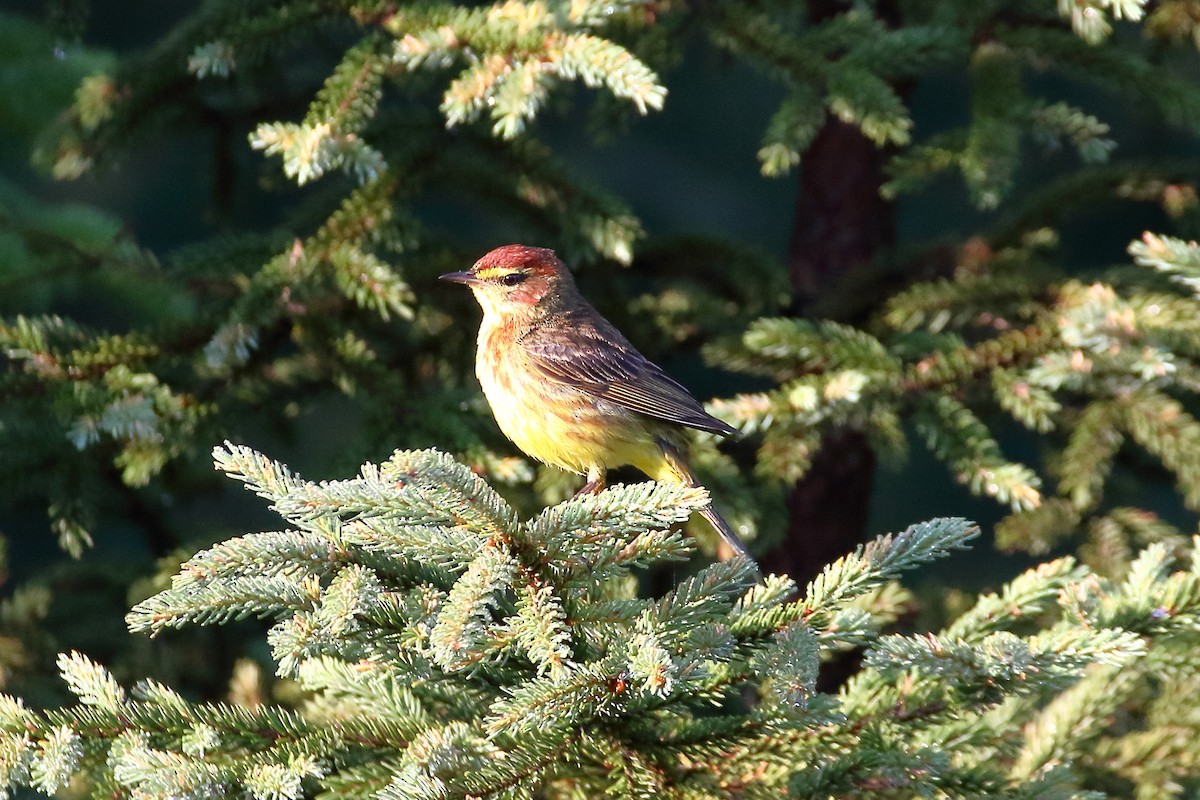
{"points": [[515, 53], [1032, 593], [1088, 456], [852, 576], [435, 639], [483, 678], [1090, 19], [1077, 715], [1177, 258], [958, 437]]}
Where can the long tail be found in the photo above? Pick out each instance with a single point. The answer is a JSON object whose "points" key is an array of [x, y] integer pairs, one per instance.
{"points": [[732, 545], [676, 469]]}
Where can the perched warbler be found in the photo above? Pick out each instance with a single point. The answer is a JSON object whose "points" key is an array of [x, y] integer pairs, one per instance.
{"points": [[567, 388]]}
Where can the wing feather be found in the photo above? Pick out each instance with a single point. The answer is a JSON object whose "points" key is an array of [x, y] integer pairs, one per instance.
{"points": [[587, 353]]}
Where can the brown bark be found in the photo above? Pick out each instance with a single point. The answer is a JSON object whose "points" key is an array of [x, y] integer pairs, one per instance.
{"points": [[841, 224], [841, 221], [827, 508]]}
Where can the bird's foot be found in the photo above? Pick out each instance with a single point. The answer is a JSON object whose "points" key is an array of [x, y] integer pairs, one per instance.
{"points": [[595, 485]]}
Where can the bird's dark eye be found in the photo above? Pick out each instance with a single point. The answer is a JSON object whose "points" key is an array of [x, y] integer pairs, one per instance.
{"points": [[512, 279]]}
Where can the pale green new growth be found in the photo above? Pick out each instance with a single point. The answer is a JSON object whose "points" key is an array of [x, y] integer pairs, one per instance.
{"points": [[449, 649], [1102, 365], [514, 53], [436, 638], [90, 682], [1176, 257]]}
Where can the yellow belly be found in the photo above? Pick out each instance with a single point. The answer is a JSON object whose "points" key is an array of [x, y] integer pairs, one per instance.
{"points": [[565, 427]]}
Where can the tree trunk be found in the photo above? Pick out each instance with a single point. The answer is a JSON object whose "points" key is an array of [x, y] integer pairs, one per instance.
{"points": [[841, 221], [841, 224]]}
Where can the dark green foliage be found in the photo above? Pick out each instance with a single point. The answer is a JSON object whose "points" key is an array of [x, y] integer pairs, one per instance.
{"points": [[443, 630], [1097, 363], [489, 675], [307, 316]]}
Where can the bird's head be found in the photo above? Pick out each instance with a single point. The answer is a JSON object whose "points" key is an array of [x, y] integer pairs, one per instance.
{"points": [[517, 281]]}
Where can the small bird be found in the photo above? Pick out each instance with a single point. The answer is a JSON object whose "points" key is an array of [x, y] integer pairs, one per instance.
{"points": [[568, 389]]}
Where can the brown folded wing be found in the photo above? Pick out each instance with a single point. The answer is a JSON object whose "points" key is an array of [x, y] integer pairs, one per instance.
{"points": [[590, 355]]}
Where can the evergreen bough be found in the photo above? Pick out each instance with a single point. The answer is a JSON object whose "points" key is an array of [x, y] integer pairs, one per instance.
{"points": [[1098, 363], [433, 642], [439, 98], [443, 647]]}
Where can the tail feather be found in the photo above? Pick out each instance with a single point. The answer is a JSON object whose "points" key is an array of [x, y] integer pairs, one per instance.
{"points": [[732, 546], [674, 468]]}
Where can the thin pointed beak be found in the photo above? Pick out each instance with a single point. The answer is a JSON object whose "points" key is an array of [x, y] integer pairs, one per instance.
{"points": [[460, 277]]}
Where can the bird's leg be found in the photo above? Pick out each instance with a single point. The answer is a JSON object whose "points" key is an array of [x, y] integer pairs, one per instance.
{"points": [[595, 482]]}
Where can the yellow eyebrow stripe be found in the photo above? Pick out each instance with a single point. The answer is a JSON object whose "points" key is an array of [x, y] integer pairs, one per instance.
{"points": [[487, 273]]}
